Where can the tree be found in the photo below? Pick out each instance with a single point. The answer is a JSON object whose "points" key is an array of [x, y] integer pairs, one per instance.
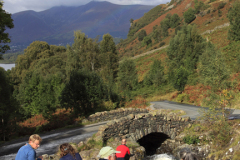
{"points": [[213, 69], [184, 50], [189, 15], [127, 76], [8, 106], [157, 35], [155, 75], [5, 21], [174, 20], [32, 54], [108, 59], [40, 95], [83, 93], [234, 18], [142, 34], [131, 20], [181, 77], [165, 25], [147, 40]]}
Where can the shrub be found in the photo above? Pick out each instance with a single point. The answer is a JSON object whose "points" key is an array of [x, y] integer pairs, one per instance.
{"points": [[191, 139], [189, 15], [161, 44], [219, 13], [221, 5], [142, 34]]}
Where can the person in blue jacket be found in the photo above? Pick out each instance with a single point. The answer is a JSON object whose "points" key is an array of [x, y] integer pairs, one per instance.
{"points": [[27, 152], [69, 153]]}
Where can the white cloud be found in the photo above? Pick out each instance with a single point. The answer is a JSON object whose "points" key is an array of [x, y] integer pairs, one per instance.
{"points": [[13, 6]]}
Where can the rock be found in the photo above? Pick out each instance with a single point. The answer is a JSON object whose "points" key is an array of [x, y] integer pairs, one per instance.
{"points": [[197, 129]]}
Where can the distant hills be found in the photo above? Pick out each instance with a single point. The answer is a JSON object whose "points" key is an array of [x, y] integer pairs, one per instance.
{"points": [[57, 25]]}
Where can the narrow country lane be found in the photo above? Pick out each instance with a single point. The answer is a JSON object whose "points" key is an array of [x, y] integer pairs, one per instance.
{"points": [[191, 111]]}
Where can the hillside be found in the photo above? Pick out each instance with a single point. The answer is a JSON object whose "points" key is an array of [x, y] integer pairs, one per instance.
{"points": [[207, 21], [56, 25]]}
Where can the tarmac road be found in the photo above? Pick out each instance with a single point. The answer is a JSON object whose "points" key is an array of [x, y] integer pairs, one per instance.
{"points": [[191, 111]]}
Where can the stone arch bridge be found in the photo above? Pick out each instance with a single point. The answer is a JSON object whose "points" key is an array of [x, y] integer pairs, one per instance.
{"points": [[136, 126]]}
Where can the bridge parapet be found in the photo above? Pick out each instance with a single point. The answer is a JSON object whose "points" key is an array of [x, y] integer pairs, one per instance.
{"points": [[114, 114], [135, 126]]}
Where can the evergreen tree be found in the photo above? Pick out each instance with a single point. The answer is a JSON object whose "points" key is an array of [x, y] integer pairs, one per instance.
{"points": [[234, 18]]}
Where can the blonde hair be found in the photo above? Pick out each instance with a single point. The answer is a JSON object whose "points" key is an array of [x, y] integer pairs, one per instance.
{"points": [[35, 137]]}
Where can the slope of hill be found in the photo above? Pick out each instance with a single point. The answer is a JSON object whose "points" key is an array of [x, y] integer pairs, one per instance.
{"points": [[56, 25], [207, 19]]}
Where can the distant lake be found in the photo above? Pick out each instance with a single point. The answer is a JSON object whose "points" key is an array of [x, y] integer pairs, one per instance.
{"points": [[7, 66]]}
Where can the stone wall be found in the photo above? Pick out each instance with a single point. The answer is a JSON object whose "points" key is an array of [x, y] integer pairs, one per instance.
{"points": [[135, 126], [114, 114]]}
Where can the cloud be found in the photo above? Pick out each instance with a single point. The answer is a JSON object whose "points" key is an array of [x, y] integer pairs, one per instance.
{"points": [[13, 6]]}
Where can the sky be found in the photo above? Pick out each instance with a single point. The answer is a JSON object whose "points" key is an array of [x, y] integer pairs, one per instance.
{"points": [[14, 6]]}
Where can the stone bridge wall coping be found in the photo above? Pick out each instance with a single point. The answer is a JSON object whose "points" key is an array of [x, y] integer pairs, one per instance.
{"points": [[114, 114], [135, 126]]}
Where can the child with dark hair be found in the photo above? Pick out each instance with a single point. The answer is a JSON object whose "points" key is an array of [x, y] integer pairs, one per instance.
{"points": [[69, 153]]}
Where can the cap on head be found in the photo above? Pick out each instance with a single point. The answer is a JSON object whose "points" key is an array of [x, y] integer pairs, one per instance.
{"points": [[107, 151]]}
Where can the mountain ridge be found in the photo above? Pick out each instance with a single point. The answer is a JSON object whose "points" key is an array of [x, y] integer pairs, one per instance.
{"points": [[57, 24]]}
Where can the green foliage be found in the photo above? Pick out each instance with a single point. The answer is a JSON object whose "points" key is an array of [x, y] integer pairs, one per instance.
{"points": [[39, 95], [180, 78], [232, 56], [127, 77], [83, 93], [189, 15], [234, 18], [221, 5], [8, 106], [6, 22], [200, 6], [157, 34], [174, 20], [155, 76], [37, 50], [165, 25], [183, 54], [10, 57], [162, 44], [221, 133], [191, 139], [108, 59], [147, 18], [147, 40], [219, 13], [182, 97], [212, 68], [142, 34]]}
